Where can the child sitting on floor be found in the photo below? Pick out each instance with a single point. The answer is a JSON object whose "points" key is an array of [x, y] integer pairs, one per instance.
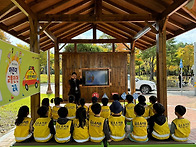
{"points": [[105, 109], [64, 127], [43, 126], [180, 127], [129, 108], [45, 102], [55, 109], [158, 125], [138, 125], [80, 133], [142, 101], [98, 127], [23, 131], [116, 122], [152, 100], [71, 107], [82, 104], [90, 112]]}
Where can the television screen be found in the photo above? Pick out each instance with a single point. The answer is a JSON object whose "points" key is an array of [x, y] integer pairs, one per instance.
{"points": [[98, 77]]}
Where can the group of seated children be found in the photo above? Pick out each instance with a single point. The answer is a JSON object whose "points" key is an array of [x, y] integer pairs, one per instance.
{"points": [[101, 123]]}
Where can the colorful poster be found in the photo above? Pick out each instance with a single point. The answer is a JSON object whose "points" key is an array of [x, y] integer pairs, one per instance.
{"points": [[19, 73]]}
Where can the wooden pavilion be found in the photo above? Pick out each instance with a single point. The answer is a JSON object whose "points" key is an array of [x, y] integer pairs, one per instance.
{"points": [[143, 23]]}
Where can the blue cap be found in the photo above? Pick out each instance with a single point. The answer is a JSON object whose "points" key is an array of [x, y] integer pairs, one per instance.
{"points": [[116, 107]]}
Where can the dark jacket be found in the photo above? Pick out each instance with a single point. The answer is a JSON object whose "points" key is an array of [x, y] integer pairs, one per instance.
{"points": [[73, 84], [158, 118]]}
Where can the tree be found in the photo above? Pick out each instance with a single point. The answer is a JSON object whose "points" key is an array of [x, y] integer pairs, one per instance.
{"points": [[106, 45], [83, 48], [3, 36], [138, 61], [149, 57], [187, 56]]}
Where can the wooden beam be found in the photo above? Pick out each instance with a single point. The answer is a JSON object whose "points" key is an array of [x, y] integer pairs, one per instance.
{"points": [[142, 32], [57, 69], [24, 8], [153, 29], [126, 46], [185, 16], [7, 10], [95, 41], [44, 27], [93, 18], [132, 68], [62, 46], [34, 47], [75, 47], [176, 24], [190, 12], [177, 4], [98, 9], [10, 15], [161, 64], [17, 24]]}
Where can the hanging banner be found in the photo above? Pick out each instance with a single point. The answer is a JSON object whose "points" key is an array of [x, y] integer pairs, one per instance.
{"points": [[19, 73]]}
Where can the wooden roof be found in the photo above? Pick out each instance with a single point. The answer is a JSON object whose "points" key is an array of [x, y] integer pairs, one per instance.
{"points": [[125, 20]]}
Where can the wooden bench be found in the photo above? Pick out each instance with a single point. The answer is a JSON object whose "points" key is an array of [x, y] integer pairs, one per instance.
{"points": [[126, 141]]}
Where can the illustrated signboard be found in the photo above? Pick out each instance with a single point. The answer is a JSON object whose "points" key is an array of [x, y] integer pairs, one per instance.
{"points": [[19, 73]]}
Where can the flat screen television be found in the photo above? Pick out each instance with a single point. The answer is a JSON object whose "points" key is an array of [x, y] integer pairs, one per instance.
{"points": [[95, 77]]}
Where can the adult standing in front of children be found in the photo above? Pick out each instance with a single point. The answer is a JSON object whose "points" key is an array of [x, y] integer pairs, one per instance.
{"points": [[74, 87]]}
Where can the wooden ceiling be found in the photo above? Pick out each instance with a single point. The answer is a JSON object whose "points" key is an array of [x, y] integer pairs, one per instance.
{"points": [[125, 20]]}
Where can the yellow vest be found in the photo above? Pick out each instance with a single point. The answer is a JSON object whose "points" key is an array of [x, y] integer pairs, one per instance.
{"points": [[96, 128], [117, 127], [146, 113], [105, 111], [150, 107], [182, 130], [161, 132], [80, 134], [22, 132], [41, 130], [55, 115], [130, 111], [71, 107], [139, 129], [63, 132], [90, 112], [49, 112]]}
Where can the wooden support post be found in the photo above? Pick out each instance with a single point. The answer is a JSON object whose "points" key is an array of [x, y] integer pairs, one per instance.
{"points": [[34, 47], [161, 63], [49, 90], [132, 68], [75, 47], [57, 70], [113, 47], [94, 31]]}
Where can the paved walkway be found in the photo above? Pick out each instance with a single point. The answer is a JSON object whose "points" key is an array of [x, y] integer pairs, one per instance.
{"points": [[188, 101]]}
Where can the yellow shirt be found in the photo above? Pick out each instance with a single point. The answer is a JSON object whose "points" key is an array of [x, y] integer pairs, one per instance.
{"points": [[63, 132], [129, 111], [71, 107], [182, 130], [55, 115], [96, 128], [150, 107], [41, 129], [80, 134], [90, 112], [146, 113], [139, 129], [105, 111], [22, 131], [117, 127]]}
